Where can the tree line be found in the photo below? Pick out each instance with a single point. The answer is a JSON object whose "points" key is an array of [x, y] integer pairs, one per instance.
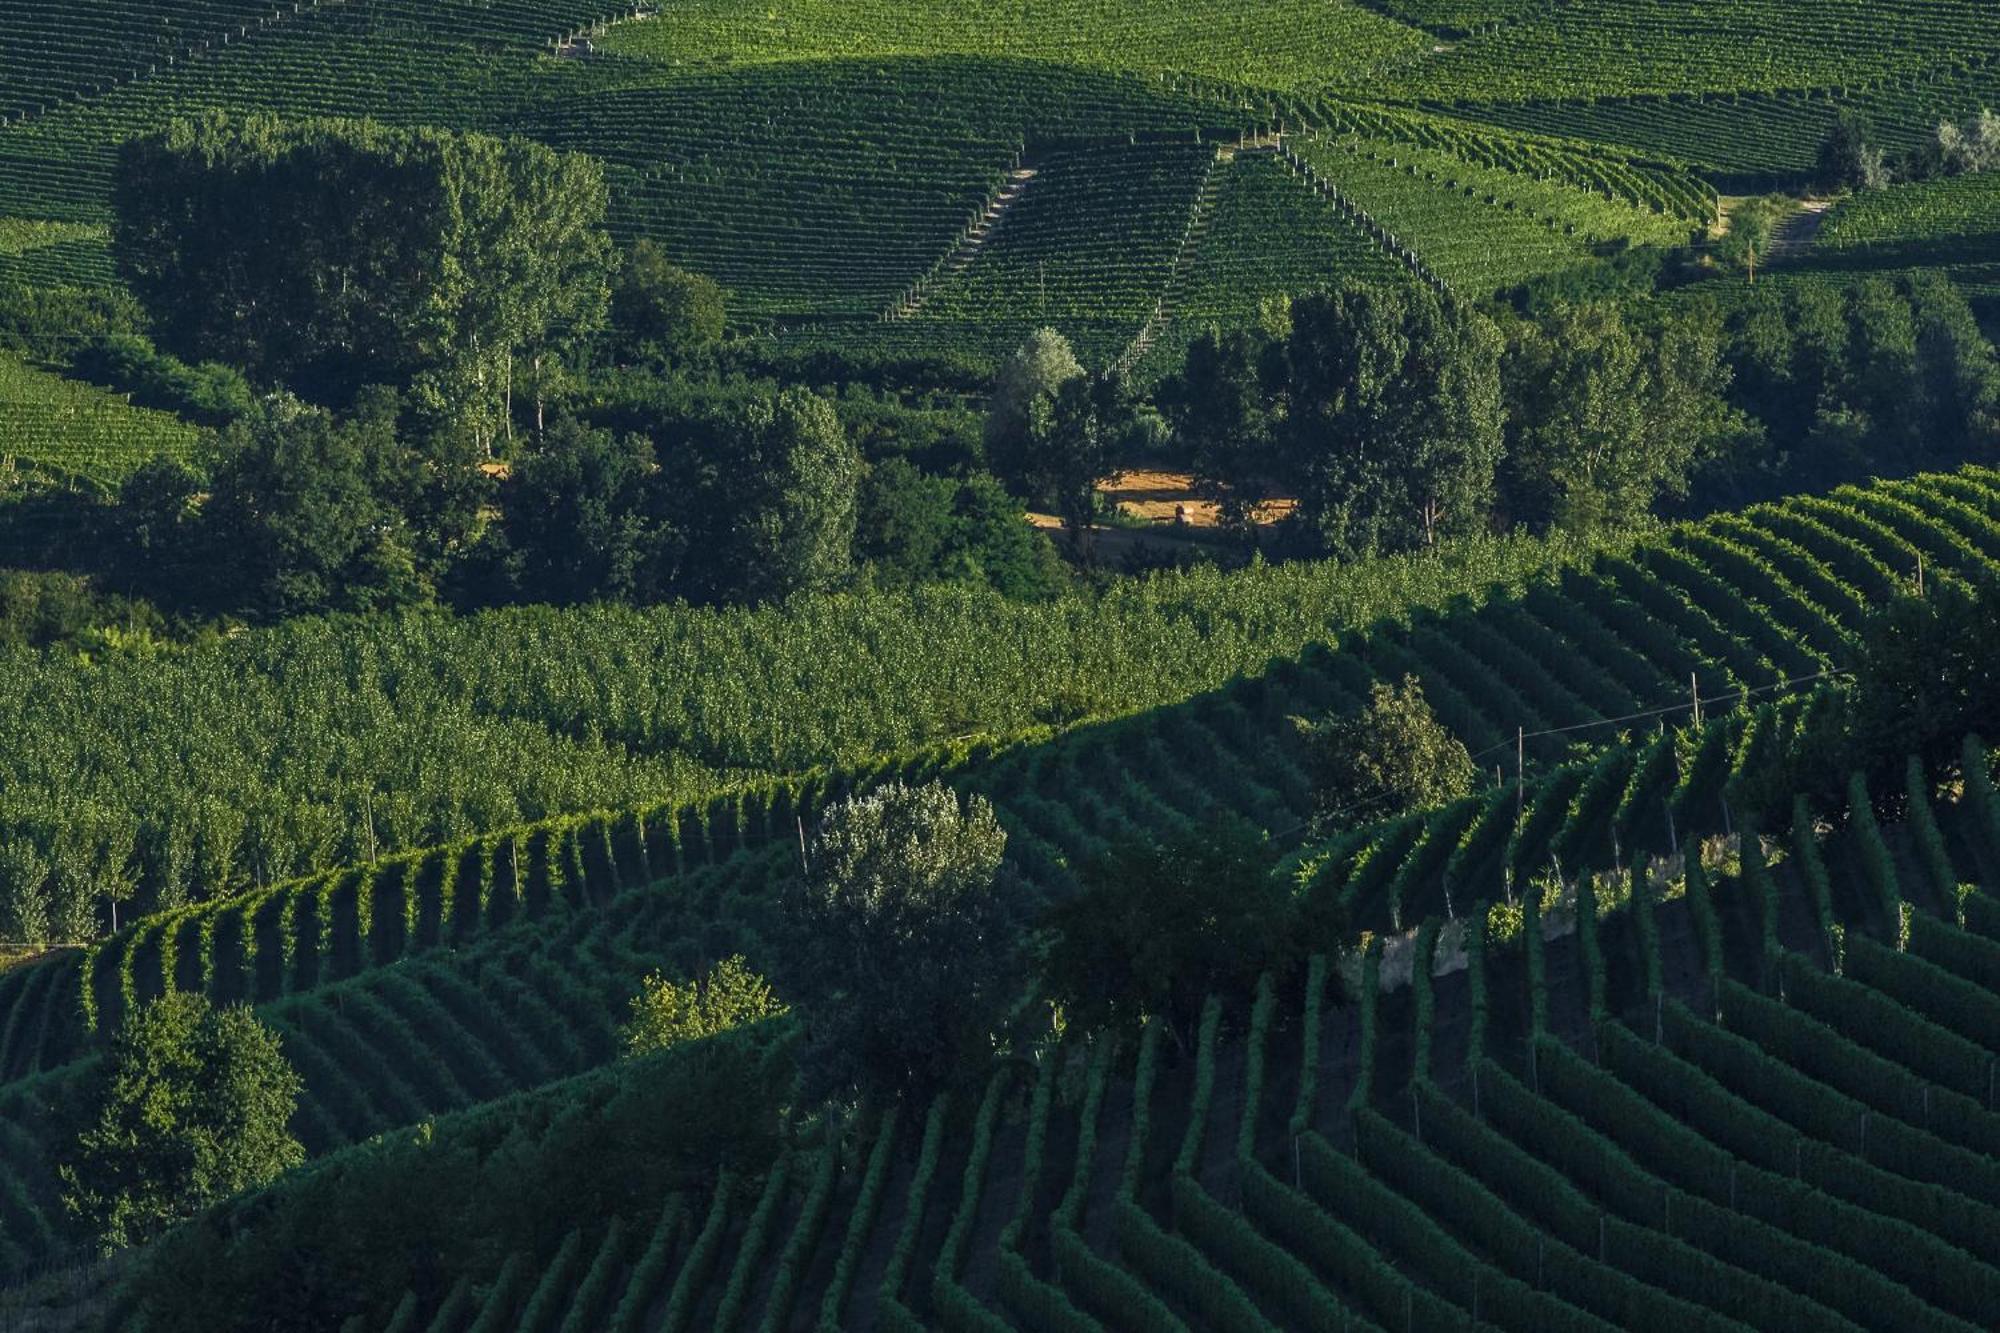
{"points": [[1398, 418], [365, 367]]}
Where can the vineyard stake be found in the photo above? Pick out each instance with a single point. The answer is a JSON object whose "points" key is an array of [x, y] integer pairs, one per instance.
{"points": [[1520, 772]]}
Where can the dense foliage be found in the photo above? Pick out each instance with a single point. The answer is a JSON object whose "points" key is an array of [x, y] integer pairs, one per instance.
{"points": [[191, 1106], [240, 237], [900, 956], [512, 534]]}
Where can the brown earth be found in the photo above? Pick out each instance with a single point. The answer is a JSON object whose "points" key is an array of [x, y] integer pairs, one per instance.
{"points": [[1158, 495]]}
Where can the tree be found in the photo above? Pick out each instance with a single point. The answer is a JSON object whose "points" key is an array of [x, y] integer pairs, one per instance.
{"points": [[1066, 453], [579, 517], [1603, 418], [330, 255], [1926, 676], [158, 505], [659, 310], [902, 963], [1971, 146], [1222, 411], [27, 912], [1391, 756], [763, 500], [305, 514], [1394, 417], [666, 1013], [1847, 160], [190, 1106], [1753, 226], [1957, 382], [904, 523], [1024, 397], [1159, 925], [992, 543]]}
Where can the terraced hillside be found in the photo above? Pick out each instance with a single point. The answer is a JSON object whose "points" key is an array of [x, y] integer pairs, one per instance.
{"points": [[387, 977], [1281, 44], [821, 162], [1672, 1097], [59, 427], [1628, 47], [1685, 1017]]}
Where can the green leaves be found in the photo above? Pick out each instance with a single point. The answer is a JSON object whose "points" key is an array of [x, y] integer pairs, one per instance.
{"points": [[192, 1105], [243, 237]]}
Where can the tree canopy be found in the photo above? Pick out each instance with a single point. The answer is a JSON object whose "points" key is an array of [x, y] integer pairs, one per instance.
{"points": [[666, 1013], [901, 963], [248, 241], [1393, 427], [1605, 418], [1392, 755], [192, 1105], [661, 310], [1159, 926]]}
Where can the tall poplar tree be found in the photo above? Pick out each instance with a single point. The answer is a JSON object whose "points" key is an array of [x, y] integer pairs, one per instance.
{"points": [[329, 255]]}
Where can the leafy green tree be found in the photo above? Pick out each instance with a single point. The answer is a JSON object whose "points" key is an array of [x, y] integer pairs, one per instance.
{"points": [[191, 1106], [1848, 159], [40, 608], [1023, 404], [1753, 226], [157, 503], [1604, 419], [27, 909], [1157, 926], [1224, 415], [304, 515], [1391, 756], [330, 255], [1971, 145], [902, 963], [1927, 676], [904, 523], [992, 543], [1957, 375], [666, 1013], [763, 498], [1065, 455], [579, 517], [1393, 426], [211, 393], [659, 310]]}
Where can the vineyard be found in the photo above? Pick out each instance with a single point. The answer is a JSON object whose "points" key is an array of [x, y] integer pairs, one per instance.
{"points": [[826, 163], [1742, 1085], [57, 427], [1280, 44], [386, 978], [1662, 47], [1676, 1009], [1956, 218]]}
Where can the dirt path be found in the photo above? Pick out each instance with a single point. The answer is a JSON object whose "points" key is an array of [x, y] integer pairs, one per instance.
{"points": [[1165, 501], [1796, 234]]}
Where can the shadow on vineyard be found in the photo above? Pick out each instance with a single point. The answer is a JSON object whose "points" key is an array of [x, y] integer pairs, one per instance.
{"points": [[1091, 666]]}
